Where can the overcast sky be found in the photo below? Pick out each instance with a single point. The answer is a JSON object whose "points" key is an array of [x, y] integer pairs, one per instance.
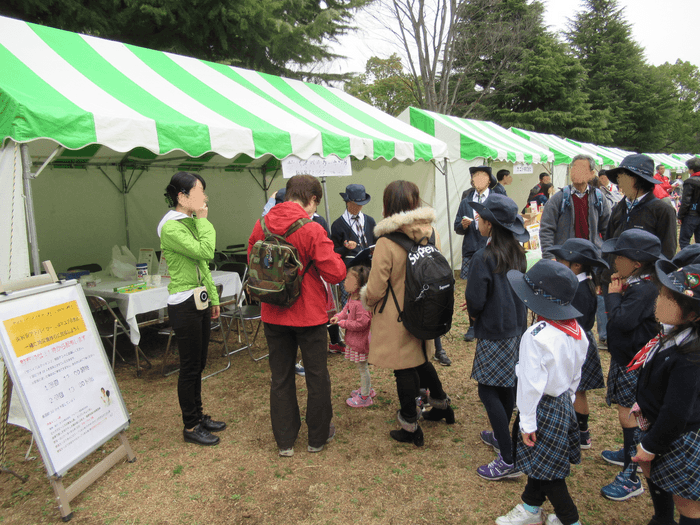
{"points": [[664, 28]]}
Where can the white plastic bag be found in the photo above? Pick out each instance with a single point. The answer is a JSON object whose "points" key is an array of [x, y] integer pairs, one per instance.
{"points": [[123, 264]]}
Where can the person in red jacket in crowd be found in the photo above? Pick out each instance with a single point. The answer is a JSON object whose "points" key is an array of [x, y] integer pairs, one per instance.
{"points": [[663, 191], [302, 324]]}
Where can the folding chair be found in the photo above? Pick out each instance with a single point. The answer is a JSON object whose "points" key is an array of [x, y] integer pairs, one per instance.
{"points": [[241, 312], [109, 326]]}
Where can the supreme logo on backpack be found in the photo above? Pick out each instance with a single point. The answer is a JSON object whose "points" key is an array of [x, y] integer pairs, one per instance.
{"points": [[275, 271], [428, 301]]}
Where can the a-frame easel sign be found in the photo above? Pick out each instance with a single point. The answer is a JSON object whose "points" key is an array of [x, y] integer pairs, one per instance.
{"points": [[55, 359]]}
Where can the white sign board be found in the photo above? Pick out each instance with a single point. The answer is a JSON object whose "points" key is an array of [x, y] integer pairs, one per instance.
{"points": [[317, 166], [55, 358], [520, 168]]}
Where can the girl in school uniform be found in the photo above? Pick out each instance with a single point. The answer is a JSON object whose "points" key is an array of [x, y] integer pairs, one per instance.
{"points": [[499, 320], [668, 398], [581, 256], [552, 352], [631, 324]]}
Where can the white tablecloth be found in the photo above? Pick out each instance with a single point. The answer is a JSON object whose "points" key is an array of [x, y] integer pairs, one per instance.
{"points": [[152, 299]]}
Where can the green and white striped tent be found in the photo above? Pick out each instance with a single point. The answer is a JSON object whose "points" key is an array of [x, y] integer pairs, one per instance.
{"points": [[683, 157], [106, 114], [564, 153], [668, 160], [610, 159], [475, 143]]}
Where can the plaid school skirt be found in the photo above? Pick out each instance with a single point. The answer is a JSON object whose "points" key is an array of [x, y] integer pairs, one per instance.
{"points": [[678, 470], [558, 442], [494, 361], [622, 386], [465, 267], [591, 371]]}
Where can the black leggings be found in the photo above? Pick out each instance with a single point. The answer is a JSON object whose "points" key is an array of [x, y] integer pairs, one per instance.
{"points": [[499, 402], [555, 490], [408, 384]]}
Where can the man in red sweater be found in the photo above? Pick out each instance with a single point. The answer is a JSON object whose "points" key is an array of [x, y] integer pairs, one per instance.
{"points": [[302, 324]]}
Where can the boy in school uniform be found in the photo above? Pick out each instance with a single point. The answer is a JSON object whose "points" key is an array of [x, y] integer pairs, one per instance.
{"points": [[552, 352]]}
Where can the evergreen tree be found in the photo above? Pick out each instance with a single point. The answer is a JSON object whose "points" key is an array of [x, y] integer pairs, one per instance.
{"points": [[544, 92], [684, 130], [619, 79], [281, 37]]}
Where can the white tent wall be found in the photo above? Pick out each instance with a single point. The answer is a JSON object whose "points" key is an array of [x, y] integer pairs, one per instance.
{"points": [[80, 214], [522, 183], [561, 176], [14, 261]]}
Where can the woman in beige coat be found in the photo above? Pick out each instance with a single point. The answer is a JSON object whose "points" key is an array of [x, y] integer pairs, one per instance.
{"points": [[392, 346]]}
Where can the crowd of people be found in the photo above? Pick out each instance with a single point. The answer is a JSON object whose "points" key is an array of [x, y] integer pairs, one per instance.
{"points": [[609, 259]]}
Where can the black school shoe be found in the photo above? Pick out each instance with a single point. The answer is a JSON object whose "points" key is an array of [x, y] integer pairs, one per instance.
{"points": [[212, 426], [200, 436]]}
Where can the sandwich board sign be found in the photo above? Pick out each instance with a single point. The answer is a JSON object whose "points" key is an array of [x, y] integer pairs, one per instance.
{"points": [[59, 370]]}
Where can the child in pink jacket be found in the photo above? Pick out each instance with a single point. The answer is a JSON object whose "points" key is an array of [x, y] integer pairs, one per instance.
{"points": [[356, 321]]}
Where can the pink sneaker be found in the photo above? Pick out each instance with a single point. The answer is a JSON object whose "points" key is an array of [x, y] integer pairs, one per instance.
{"points": [[359, 401], [358, 393], [336, 348]]}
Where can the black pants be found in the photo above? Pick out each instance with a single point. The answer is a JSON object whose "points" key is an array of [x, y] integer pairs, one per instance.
{"points": [[408, 384], [689, 227], [282, 342], [555, 490], [192, 328], [499, 402]]}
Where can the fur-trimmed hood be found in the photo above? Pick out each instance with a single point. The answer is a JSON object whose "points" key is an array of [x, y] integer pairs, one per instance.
{"points": [[415, 223]]}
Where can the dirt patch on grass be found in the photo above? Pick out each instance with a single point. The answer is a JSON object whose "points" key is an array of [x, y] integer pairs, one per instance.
{"points": [[363, 476]]}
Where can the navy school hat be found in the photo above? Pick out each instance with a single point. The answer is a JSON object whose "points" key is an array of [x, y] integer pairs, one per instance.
{"points": [[502, 210], [547, 289], [684, 280], [637, 164], [638, 245], [687, 255], [474, 169], [279, 196], [580, 251], [356, 193]]}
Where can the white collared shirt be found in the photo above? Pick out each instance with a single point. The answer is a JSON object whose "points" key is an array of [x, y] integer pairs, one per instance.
{"points": [[360, 232], [550, 364], [475, 198]]}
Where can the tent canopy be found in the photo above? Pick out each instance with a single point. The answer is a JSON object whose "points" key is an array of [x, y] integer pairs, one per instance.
{"points": [[667, 160], [608, 157], [122, 103], [470, 139], [564, 151]]}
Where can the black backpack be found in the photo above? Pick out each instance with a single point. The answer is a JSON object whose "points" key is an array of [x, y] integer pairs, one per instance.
{"points": [[429, 295]]}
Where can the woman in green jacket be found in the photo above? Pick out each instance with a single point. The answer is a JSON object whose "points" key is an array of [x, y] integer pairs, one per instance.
{"points": [[187, 241]]}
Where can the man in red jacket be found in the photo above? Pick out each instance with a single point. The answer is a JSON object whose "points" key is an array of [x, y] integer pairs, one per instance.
{"points": [[662, 191], [302, 324]]}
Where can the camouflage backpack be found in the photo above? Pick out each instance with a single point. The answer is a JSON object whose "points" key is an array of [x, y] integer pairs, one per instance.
{"points": [[275, 271]]}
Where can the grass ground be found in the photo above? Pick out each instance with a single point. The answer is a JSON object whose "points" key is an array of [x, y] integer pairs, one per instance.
{"points": [[361, 477]]}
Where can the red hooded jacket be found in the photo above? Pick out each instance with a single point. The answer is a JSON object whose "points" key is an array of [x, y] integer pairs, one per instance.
{"points": [[313, 245]]}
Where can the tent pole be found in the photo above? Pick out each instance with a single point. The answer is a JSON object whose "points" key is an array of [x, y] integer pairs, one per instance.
{"points": [[325, 201], [126, 211], [447, 204], [29, 207]]}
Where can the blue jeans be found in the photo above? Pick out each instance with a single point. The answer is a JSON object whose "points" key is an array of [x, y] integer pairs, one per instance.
{"points": [[601, 318], [689, 227]]}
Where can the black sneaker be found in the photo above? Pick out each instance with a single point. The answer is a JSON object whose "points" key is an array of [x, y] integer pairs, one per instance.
{"points": [[469, 336], [212, 426], [200, 436], [441, 357]]}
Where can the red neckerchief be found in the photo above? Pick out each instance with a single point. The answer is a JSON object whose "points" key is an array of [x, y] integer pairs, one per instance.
{"points": [[569, 326], [639, 359]]}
